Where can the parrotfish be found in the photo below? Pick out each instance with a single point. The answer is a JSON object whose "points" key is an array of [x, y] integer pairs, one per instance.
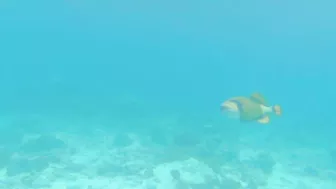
{"points": [[253, 108]]}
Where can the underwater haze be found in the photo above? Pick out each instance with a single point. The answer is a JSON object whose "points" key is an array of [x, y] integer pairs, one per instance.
{"points": [[127, 94]]}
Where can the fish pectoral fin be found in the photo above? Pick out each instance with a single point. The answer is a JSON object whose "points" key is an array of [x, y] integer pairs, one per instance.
{"points": [[264, 120]]}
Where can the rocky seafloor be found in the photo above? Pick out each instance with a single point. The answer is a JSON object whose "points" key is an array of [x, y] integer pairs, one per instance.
{"points": [[83, 155]]}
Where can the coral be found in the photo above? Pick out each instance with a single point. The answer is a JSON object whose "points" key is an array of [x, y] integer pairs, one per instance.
{"points": [[175, 174], [230, 184], [265, 162], [311, 171], [44, 143], [122, 140], [28, 165]]}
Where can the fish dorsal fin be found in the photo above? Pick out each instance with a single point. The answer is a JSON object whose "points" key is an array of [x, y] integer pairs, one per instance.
{"points": [[259, 98], [264, 120]]}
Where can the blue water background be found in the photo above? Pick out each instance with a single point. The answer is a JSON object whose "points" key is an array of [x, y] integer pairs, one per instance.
{"points": [[132, 59]]}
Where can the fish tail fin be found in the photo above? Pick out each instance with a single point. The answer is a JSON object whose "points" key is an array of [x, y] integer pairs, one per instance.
{"points": [[277, 110]]}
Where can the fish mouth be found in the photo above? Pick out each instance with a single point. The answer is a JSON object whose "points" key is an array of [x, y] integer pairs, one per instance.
{"points": [[229, 107]]}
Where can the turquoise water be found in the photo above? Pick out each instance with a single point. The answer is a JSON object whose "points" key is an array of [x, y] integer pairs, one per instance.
{"points": [[127, 94]]}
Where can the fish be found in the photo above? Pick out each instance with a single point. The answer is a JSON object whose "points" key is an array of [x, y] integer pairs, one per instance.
{"points": [[249, 109]]}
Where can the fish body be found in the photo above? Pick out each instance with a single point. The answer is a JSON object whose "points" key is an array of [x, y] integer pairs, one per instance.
{"points": [[253, 108]]}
